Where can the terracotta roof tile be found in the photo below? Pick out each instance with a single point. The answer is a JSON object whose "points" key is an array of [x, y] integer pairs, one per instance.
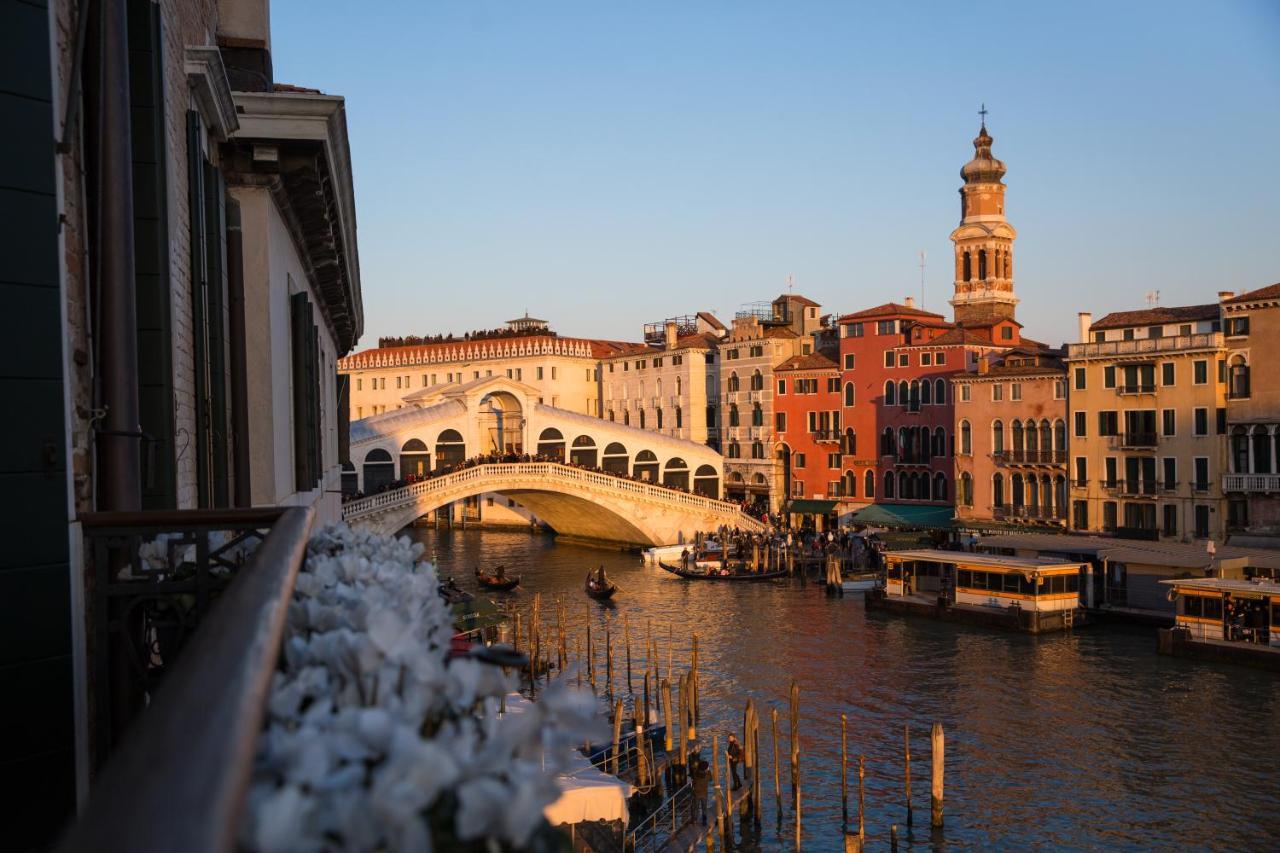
{"points": [[1271, 291], [803, 300], [1154, 316], [888, 309], [813, 361]]}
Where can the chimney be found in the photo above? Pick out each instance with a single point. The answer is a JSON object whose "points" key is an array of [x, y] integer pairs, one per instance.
{"points": [[671, 329], [910, 302], [1224, 295], [1086, 320], [984, 365]]}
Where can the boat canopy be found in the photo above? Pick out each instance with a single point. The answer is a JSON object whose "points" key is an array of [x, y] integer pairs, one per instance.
{"points": [[905, 515], [1026, 566]]}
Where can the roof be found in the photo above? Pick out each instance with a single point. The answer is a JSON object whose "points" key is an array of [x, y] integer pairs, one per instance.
{"points": [[1271, 291], [485, 348], [959, 336], [1188, 555], [289, 88], [699, 340], [803, 300], [527, 319], [995, 561], [780, 332], [887, 309], [1260, 586], [1156, 316], [814, 507], [712, 321], [813, 361], [904, 515]]}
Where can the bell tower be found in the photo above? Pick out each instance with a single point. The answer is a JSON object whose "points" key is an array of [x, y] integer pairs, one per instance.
{"points": [[984, 240]]}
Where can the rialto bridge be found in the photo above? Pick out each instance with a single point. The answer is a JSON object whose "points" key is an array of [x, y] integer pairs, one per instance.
{"points": [[649, 489]]}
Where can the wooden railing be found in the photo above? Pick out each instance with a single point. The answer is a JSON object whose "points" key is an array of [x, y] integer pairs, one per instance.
{"points": [[548, 472], [178, 778]]}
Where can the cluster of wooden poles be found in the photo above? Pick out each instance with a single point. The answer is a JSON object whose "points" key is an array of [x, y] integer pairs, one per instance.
{"points": [[682, 710]]}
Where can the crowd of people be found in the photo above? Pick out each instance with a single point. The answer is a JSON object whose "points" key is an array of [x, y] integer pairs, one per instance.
{"points": [[467, 337]]}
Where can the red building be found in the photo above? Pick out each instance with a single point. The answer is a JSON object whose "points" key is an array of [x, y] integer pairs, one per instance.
{"points": [[807, 420]]}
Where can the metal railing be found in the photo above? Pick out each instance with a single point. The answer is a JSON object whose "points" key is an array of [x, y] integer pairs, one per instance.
{"points": [[1134, 440], [1173, 343], [1129, 390], [178, 779], [1030, 457], [664, 824], [1030, 513], [826, 435]]}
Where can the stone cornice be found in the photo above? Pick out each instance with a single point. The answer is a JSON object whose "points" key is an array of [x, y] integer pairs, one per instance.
{"points": [[207, 78]]}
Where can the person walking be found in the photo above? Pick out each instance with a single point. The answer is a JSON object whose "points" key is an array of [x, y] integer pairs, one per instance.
{"points": [[699, 777], [735, 758]]}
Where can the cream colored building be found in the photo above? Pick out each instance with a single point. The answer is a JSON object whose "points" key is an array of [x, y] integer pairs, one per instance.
{"points": [[565, 371], [670, 383], [1146, 409], [763, 336]]}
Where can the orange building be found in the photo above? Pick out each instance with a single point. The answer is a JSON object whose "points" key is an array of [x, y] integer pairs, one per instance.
{"points": [[806, 409]]}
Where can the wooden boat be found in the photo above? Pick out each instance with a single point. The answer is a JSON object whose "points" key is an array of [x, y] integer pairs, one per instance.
{"points": [[860, 581], [498, 582], [453, 594], [600, 587], [693, 575]]}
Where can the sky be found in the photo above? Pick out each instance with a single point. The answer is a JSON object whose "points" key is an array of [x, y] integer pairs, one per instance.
{"points": [[607, 164]]}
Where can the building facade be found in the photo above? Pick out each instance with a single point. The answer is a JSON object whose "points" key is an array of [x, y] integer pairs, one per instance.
{"points": [[1147, 397], [183, 259], [763, 336], [1011, 440], [1250, 325], [806, 414]]}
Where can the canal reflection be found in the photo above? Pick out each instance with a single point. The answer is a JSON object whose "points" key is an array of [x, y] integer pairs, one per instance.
{"points": [[1080, 741]]}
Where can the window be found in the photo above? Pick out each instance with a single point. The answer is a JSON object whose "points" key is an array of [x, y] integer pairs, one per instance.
{"points": [[1006, 333], [886, 327], [1220, 421], [1059, 389], [1015, 390], [966, 438], [780, 421], [849, 394], [890, 393], [797, 460], [733, 415], [997, 392], [1109, 515], [1170, 526], [1169, 471], [1166, 373], [1200, 422], [1200, 372], [1202, 532], [869, 485], [1108, 423], [1168, 422], [359, 384], [1081, 424], [757, 450], [903, 359], [853, 330], [397, 381], [539, 373], [940, 358], [1237, 326], [1082, 470], [1079, 378], [964, 393], [849, 360], [1201, 482], [1080, 515], [1109, 376], [833, 460], [756, 351], [890, 483], [939, 392], [888, 358], [782, 387], [1238, 379], [926, 359]]}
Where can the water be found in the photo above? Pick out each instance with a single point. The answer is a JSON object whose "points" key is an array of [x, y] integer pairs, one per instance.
{"points": [[1081, 741]]}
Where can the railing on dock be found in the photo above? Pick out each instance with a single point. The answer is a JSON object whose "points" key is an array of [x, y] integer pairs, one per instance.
{"points": [[663, 824], [178, 778]]}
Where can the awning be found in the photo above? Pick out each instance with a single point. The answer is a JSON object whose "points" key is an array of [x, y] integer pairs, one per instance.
{"points": [[904, 515], [811, 507]]}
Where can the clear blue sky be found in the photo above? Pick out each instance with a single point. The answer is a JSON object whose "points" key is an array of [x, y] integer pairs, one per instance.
{"points": [[605, 164]]}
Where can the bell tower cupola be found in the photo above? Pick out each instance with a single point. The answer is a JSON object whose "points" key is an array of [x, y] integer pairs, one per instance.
{"points": [[984, 240]]}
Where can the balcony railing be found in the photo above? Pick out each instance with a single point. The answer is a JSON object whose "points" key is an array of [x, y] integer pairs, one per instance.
{"points": [[1173, 343], [178, 781], [1137, 488], [1264, 483], [1030, 457], [1029, 513], [1134, 440], [1136, 389], [826, 435]]}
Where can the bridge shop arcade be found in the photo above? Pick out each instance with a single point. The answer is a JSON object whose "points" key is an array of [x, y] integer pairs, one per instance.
{"points": [[1019, 593]]}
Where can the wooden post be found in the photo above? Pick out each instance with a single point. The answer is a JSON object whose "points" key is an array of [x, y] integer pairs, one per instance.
{"points": [[844, 771], [893, 838], [777, 766], [720, 818], [862, 800], [715, 759], [667, 716], [671, 654], [515, 642], [608, 656], [937, 760], [626, 633], [683, 722], [797, 816], [591, 657], [646, 698], [697, 715], [577, 653], [795, 740], [906, 752]]}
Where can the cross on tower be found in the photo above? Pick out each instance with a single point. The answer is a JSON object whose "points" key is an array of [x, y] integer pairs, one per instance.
{"points": [[983, 112]]}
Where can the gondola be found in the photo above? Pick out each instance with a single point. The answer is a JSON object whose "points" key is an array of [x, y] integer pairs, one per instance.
{"points": [[599, 587], [712, 576], [454, 594], [498, 582]]}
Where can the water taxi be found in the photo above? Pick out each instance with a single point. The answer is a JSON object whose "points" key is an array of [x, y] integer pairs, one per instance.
{"points": [[1019, 593], [1232, 619]]}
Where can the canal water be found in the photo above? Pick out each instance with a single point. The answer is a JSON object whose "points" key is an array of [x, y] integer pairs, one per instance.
{"points": [[1082, 741]]}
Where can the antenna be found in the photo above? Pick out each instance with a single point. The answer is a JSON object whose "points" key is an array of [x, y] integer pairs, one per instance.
{"points": [[1153, 298], [791, 282], [922, 279]]}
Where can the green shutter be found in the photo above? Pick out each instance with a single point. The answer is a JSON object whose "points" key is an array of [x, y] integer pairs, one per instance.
{"points": [[300, 345], [198, 209], [216, 305]]}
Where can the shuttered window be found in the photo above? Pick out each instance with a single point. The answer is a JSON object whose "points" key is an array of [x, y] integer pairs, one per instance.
{"points": [[305, 346]]}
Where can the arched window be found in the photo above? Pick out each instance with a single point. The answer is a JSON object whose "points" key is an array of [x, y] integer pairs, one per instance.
{"points": [[615, 458], [646, 466], [1060, 438], [679, 417], [966, 489], [997, 490], [939, 442], [379, 470], [415, 459], [966, 439], [1046, 436], [658, 413], [1238, 378], [939, 486], [848, 393], [706, 481], [757, 381], [869, 484], [890, 484], [1029, 437], [850, 441], [982, 265], [1017, 437], [735, 450], [939, 392], [757, 415], [675, 474], [926, 393], [850, 484], [914, 400], [904, 393], [905, 449], [757, 450], [733, 381], [733, 414], [450, 449], [890, 393], [583, 451], [968, 267], [888, 447], [679, 386], [997, 437], [1015, 486], [642, 419], [1261, 450]]}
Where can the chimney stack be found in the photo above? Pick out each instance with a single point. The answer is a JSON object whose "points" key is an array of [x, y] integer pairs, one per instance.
{"points": [[910, 302], [1224, 295], [984, 365], [1086, 320], [672, 334]]}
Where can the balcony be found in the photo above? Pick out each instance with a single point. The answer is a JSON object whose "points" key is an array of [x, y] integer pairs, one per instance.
{"points": [[1030, 457], [1137, 488], [1251, 483], [826, 435], [1145, 346], [1029, 513], [1131, 390], [1135, 441]]}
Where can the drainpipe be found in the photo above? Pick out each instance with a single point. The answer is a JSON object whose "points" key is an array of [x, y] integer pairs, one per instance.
{"points": [[119, 441], [243, 495]]}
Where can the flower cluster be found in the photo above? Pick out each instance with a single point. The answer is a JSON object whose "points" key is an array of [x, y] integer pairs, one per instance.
{"points": [[375, 739]]}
